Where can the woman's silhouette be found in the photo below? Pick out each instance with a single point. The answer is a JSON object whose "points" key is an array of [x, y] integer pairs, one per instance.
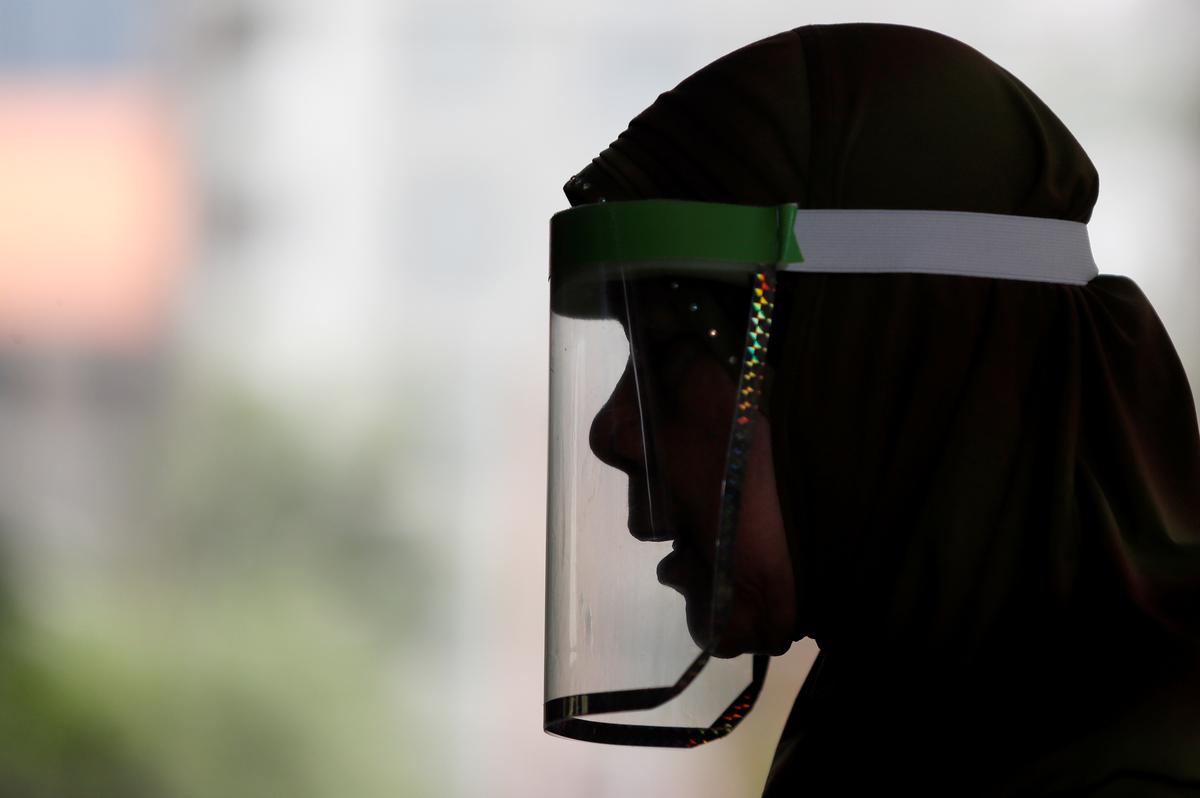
{"points": [[990, 488]]}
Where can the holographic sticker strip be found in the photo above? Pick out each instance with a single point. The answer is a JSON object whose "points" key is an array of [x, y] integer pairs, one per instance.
{"points": [[749, 398]]}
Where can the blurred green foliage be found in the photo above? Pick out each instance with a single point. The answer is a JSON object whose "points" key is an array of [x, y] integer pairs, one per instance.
{"points": [[248, 638]]}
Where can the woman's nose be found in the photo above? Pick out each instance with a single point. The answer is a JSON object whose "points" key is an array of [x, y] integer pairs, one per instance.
{"points": [[616, 433]]}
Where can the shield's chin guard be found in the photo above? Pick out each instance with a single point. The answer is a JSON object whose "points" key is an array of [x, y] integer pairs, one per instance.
{"points": [[563, 715]]}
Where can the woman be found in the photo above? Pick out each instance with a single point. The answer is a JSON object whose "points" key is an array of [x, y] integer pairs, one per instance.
{"points": [[990, 488]]}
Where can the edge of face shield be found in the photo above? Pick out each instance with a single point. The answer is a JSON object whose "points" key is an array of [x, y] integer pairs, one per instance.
{"points": [[593, 245]]}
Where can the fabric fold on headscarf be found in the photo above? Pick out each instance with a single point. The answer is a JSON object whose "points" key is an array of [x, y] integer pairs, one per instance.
{"points": [[991, 487]]}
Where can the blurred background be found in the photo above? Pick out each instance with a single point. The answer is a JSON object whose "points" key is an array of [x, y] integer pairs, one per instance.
{"points": [[273, 319]]}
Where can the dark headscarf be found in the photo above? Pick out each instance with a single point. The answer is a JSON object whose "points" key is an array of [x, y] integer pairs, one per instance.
{"points": [[991, 487]]}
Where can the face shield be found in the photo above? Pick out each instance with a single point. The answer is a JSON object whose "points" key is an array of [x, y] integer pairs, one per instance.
{"points": [[660, 322], [659, 447]]}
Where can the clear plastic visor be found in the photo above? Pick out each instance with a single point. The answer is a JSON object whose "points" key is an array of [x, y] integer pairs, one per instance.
{"points": [[656, 380]]}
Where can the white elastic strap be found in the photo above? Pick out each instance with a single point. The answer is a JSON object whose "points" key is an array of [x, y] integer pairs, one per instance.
{"points": [[944, 242]]}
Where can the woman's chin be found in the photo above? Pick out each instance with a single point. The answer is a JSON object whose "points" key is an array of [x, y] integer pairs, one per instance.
{"points": [[747, 630], [743, 632]]}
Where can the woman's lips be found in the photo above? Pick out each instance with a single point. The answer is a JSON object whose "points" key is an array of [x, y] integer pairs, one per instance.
{"points": [[684, 570]]}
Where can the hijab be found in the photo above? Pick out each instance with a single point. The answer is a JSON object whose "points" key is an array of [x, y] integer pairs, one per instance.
{"points": [[991, 488]]}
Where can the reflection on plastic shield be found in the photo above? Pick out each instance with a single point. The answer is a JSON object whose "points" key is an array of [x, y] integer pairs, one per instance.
{"points": [[612, 626]]}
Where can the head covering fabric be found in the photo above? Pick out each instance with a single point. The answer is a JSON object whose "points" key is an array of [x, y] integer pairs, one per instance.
{"points": [[991, 488]]}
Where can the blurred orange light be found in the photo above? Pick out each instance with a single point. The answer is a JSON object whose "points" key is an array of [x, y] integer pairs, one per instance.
{"points": [[92, 212]]}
